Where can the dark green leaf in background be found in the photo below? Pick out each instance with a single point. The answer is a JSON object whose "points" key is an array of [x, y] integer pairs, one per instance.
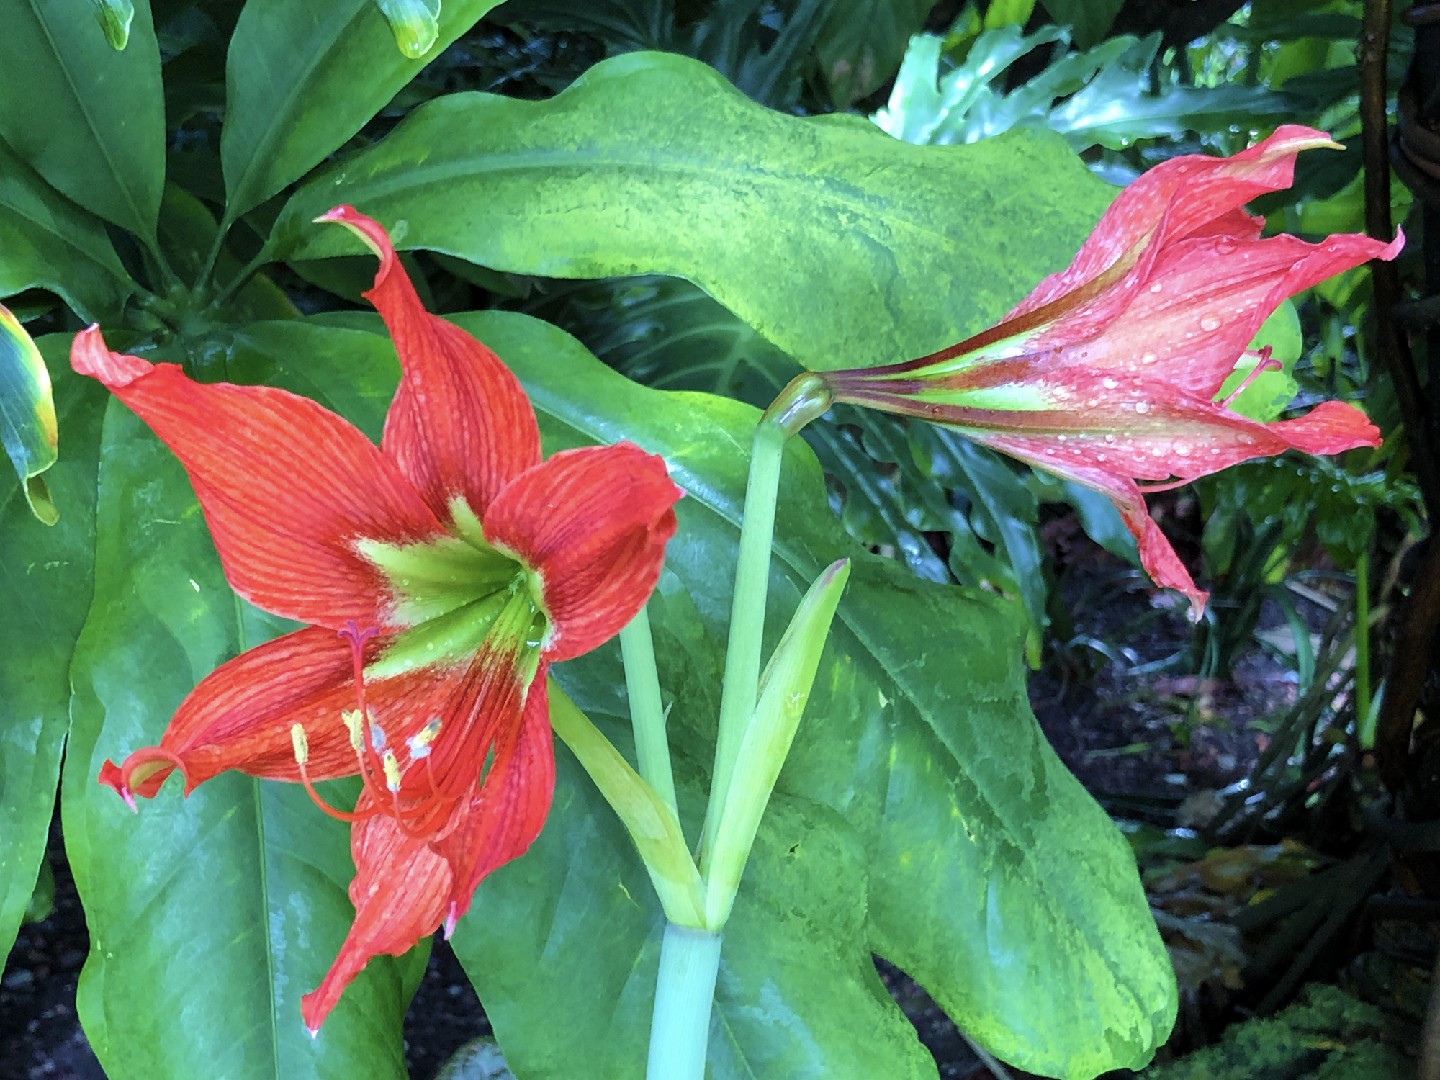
{"points": [[861, 44], [45, 578], [653, 164], [302, 78], [50, 243], [209, 916], [88, 118]]}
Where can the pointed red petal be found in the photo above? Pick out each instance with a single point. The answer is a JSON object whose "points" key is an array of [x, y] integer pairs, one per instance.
{"points": [[460, 423], [1182, 197], [240, 715], [400, 892], [1202, 302], [592, 524], [1157, 556], [1329, 428], [504, 820], [286, 485]]}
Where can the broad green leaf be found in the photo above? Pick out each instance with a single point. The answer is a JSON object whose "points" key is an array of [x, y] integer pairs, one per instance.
{"points": [[100, 137], [209, 916], [303, 78], [28, 428], [987, 872], [45, 578], [839, 244], [50, 243]]}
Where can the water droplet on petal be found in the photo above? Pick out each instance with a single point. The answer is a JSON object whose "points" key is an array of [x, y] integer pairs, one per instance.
{"points": [[1182, 450], [1157, 287], [1225, 245], [1209, 322], [1109, 384], [1142, 407], [1149, 358]]}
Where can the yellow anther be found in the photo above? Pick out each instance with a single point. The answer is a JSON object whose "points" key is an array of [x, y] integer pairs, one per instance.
{"points": [[300, 743], [392, 771], [419, 743], [353, 720]]}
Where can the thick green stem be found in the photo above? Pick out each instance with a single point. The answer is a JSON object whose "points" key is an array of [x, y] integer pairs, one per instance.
{"points": [[684, 993], [799, 403], [741, 681], [647, 712]]}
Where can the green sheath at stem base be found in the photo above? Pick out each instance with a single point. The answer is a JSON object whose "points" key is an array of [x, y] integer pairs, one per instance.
{"points": [[680, 1030]]}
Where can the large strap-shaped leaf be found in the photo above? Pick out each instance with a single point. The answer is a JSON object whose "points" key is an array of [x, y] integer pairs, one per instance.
{"points": [[50, 243], [45, 580], [210, 916], [988, 873], [302, 78], [89, 118], [841, 245]]}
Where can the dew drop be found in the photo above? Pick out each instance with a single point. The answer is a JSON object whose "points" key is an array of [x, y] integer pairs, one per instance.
{"points": [[1182, 450], [1225, 245], [1148, 358], [1157, 287], [1142, 407], [1109, 384], [1209, 322]]}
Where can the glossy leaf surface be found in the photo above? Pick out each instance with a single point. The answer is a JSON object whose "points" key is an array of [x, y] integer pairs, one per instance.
{"points": [[652, 163], [50, 243], [45, 577], [303, 78], [88, 118], [28, 429]]}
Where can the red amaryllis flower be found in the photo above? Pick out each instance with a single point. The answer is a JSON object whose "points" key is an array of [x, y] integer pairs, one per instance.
{"points": [[442, 573], [1107, 373]]}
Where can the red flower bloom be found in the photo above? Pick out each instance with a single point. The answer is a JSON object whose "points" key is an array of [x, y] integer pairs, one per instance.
{"points": [[442, 573], [1107, 372]]}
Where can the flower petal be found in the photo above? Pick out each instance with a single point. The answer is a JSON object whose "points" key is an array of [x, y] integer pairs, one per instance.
{"points": [[286, 485], [401, 891], [1157, 556], [1185, 196], [240, 716], [460, 424], [591, 525], [504, 820], [1203, 301]]}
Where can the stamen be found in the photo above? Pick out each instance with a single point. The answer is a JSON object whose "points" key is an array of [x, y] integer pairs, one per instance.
{"points": [[353, 720], [419, 743], [392, 772], [1263, 363], [302, 758]]}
